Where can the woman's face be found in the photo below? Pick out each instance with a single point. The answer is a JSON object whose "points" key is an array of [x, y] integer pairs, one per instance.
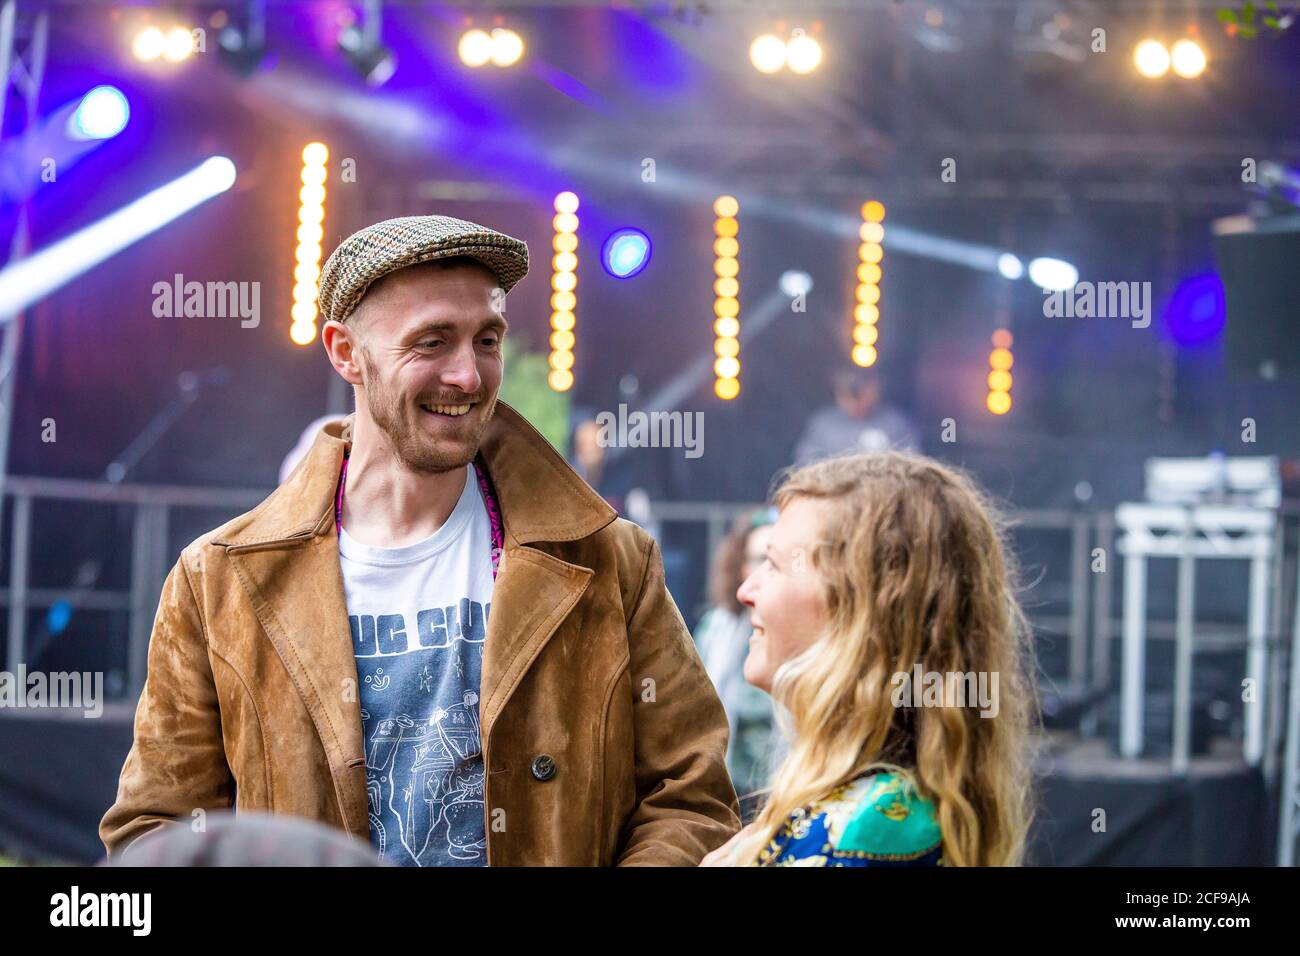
{"points": [[784, 593]]}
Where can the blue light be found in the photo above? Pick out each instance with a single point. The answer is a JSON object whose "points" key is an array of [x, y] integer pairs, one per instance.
{"points": [[101, 114], [625, 253], [57, 618], [1196, 312]]}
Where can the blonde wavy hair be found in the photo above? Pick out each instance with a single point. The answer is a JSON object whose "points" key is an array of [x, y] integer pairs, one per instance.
{"points": [[915, 569]]}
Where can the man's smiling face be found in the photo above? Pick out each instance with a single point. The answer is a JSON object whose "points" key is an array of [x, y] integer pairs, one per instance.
{"points": [[428, 339]]}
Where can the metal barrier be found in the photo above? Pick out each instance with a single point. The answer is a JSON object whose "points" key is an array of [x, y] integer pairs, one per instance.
{"points": [[1088, 623], [150, 559]]}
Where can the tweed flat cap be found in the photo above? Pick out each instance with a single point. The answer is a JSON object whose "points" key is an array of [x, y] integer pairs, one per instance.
{"points": [[394, 244]]}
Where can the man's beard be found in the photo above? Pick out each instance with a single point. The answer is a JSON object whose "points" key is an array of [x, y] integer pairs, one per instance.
{"points": [[415, 448]]}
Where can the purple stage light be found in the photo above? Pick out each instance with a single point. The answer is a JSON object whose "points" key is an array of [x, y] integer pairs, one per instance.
{"points": [[1196, 312]]}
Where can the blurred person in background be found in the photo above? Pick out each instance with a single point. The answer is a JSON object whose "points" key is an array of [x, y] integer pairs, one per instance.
{"points": [[624, 477], [722, 637], [858, 421], [884, 567]]}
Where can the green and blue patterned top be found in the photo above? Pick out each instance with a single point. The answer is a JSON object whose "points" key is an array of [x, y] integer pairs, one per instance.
{"points": [[874, 820]]}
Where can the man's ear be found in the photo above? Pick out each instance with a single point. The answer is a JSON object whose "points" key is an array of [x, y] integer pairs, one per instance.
{"points": [[343, 346]]}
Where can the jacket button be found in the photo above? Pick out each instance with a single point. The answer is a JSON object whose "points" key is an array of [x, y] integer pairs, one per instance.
{"points": [[543, 767]]}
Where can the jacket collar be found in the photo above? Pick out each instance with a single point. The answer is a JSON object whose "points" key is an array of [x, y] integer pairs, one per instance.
{"points": [[541, 497]]}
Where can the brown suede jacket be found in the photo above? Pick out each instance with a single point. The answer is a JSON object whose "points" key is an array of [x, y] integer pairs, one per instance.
{"points": [[251, 698]]}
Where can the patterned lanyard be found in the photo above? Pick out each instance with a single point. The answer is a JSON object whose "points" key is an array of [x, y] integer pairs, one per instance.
{"points": [[484, 487]]}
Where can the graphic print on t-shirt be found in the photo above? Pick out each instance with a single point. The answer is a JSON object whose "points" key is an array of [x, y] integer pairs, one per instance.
{"points": [[418, 614], [424, 766]]}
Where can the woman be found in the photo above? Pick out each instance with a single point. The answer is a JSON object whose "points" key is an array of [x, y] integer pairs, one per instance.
{"points": [[879, 563], [722, 638]]}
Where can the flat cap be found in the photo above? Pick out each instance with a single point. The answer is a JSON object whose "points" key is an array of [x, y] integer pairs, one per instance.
{"points": [[394, 244]]}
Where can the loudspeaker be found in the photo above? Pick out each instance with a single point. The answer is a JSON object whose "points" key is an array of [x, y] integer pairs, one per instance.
{"points": [[1261, 284]]}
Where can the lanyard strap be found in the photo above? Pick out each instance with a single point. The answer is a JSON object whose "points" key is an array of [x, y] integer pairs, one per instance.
{"points": [[484, 487]]}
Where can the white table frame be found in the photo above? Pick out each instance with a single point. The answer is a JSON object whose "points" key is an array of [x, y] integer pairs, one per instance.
{"points": [[1188, 533]]}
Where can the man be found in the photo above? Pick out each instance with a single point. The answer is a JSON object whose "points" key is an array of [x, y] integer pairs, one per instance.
{"points": [[433, 635], [858, 421]]}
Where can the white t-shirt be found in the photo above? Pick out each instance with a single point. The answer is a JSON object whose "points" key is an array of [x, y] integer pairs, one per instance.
{"points": [[418, 616]]}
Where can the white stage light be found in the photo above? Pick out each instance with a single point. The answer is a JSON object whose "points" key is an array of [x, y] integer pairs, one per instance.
{"points": [[1188, 59], [35, 277], [149, 44], [475, 48], [803, 53], [1151, 58], [1010, 266], [793, 282], [767, 53], [1055, 275], [507, 47]]}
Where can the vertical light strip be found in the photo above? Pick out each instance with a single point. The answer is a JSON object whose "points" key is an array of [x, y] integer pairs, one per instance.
{"points": [[564, 296], [866, 313], [311, 230], [1000, 362], [726, 304]]}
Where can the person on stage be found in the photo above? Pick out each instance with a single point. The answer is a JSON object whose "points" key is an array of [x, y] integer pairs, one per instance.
{"points": [[433, 636], [886, 626]]}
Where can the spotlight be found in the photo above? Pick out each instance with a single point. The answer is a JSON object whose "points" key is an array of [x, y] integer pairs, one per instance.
{"points": [[1151, 59], [803, 54], [375, 62], [101, 114], [794, 282], [502, 47], [178, 45], [475, 48], [365, 50], [149, 44], [1054, 275], [507, 47], [767, 53], [626, 253], [243, 49], [1188, 59], [1196, 312], [1010, 266]]}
